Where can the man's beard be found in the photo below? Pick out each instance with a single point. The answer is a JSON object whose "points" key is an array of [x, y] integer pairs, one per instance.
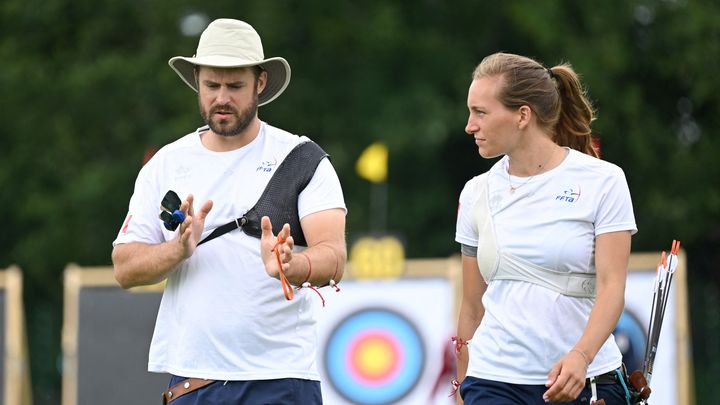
{"points": [[242, 118]]}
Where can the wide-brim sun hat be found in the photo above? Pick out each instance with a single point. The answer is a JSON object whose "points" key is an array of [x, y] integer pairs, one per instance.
{"points": [[228, 43]]}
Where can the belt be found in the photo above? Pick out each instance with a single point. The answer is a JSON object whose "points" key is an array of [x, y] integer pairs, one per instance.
{"points": [[184, 387], [611, 377]]}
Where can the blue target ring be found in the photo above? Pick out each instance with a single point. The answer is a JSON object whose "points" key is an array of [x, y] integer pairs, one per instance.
{"points": [[374, 357], [631, 337]]}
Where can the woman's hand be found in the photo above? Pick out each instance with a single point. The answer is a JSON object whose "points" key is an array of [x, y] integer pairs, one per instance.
{"points": [[566, 380]]}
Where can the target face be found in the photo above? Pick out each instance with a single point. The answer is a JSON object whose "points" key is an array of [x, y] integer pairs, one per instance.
{"points": [[630, 337], [374, 356]]}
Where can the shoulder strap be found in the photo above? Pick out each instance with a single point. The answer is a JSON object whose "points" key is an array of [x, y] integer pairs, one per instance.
{"points": [[280, 197], [487, 253]]}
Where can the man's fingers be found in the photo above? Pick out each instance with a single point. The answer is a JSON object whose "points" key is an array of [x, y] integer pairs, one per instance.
{"points": [[185, 230], [266, 227], [185, 224], [205, 209], [189, 207], [284, 232], [283, 236], [290, 242], [287, 250]]}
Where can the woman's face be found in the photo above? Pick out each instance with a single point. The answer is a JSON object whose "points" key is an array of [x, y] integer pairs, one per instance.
{"points": [[494, 126]]}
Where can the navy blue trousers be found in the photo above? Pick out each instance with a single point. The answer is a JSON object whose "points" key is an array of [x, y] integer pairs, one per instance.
{"points": [[286, 391], [476, 391]]}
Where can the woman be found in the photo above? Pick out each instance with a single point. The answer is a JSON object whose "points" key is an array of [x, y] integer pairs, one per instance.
{"points": [[545, 238]]}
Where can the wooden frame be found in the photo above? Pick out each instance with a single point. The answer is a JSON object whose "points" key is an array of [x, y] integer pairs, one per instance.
{"points": [[75, 278], [16, 365]]}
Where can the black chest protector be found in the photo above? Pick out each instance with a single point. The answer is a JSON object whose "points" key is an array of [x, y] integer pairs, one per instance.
{"points": [[279, 201]]}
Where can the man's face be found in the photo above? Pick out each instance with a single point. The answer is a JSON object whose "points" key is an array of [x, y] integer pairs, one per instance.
{"points": [[228, 98]]}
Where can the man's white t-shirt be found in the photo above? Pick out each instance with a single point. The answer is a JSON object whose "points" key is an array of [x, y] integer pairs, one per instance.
{"points": [[221, 316], [551, 220]]}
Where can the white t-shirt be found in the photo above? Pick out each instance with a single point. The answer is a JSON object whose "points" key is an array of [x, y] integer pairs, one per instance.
{"points": [[221, 316], [551, 220]]}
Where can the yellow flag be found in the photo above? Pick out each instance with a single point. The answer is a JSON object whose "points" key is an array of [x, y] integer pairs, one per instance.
{"points": [[372, 164]]}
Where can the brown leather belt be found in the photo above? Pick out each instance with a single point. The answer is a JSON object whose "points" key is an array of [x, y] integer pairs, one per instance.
{"points": [[184, 387]]}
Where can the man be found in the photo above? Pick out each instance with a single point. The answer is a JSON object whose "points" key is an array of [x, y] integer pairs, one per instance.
{"points": [[229, 329]]}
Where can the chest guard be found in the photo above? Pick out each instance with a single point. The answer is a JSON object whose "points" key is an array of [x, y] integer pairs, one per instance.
{"points": [[279, 200], [496, 264]]}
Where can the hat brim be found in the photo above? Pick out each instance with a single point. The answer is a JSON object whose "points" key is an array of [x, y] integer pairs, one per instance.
{"points": [[278, 72]]}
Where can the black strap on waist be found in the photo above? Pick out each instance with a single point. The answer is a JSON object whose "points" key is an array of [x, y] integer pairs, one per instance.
{"points": [[609, 378]]}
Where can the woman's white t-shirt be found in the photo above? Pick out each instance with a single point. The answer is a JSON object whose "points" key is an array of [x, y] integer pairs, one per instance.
{"points": [[551, 220]]}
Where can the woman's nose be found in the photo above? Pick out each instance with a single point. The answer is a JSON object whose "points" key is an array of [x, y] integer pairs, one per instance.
{"points": [[470, 128]]}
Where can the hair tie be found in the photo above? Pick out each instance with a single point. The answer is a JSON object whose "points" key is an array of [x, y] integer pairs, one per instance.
{"points": [[550, 72]]}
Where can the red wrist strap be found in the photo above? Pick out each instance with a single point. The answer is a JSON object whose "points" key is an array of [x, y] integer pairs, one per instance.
{"points": [[309, 274], [288, 288], [455, 386], [307, 283], [332, 283], [459, 343]]}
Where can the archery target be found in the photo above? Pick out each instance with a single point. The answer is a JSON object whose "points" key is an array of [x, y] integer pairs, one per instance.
{"points": [[384, 342], [630, 338], [374, 356]]}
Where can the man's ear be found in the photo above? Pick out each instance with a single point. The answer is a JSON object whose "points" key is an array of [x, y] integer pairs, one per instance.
{"points": [[524, 116], [262, 81]]}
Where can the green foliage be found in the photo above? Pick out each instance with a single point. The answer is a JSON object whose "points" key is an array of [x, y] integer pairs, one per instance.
{"points": [[86, 92]]}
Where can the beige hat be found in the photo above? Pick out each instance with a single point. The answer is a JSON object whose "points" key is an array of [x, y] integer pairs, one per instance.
{"points": [[228, 43]]}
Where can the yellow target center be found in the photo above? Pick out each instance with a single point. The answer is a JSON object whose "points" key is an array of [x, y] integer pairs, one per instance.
{"points": [[374, 357]]}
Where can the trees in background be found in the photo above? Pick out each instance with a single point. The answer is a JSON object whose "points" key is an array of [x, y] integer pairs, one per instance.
{"points": [[86, 93]]}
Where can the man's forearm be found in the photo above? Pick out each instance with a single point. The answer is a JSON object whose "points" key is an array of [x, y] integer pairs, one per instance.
{"points": [[142, 264], [320, 264]]}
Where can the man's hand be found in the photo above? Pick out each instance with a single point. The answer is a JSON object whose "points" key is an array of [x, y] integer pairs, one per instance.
{"points": [[566, 379], [191, 229], [284, 244]]}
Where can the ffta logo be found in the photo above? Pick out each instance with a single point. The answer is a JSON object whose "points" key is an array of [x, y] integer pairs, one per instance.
{"points": [[569, 196]]}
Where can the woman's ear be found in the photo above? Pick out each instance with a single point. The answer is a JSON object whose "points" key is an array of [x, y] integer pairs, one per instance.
{"points": [[524, 116]]}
